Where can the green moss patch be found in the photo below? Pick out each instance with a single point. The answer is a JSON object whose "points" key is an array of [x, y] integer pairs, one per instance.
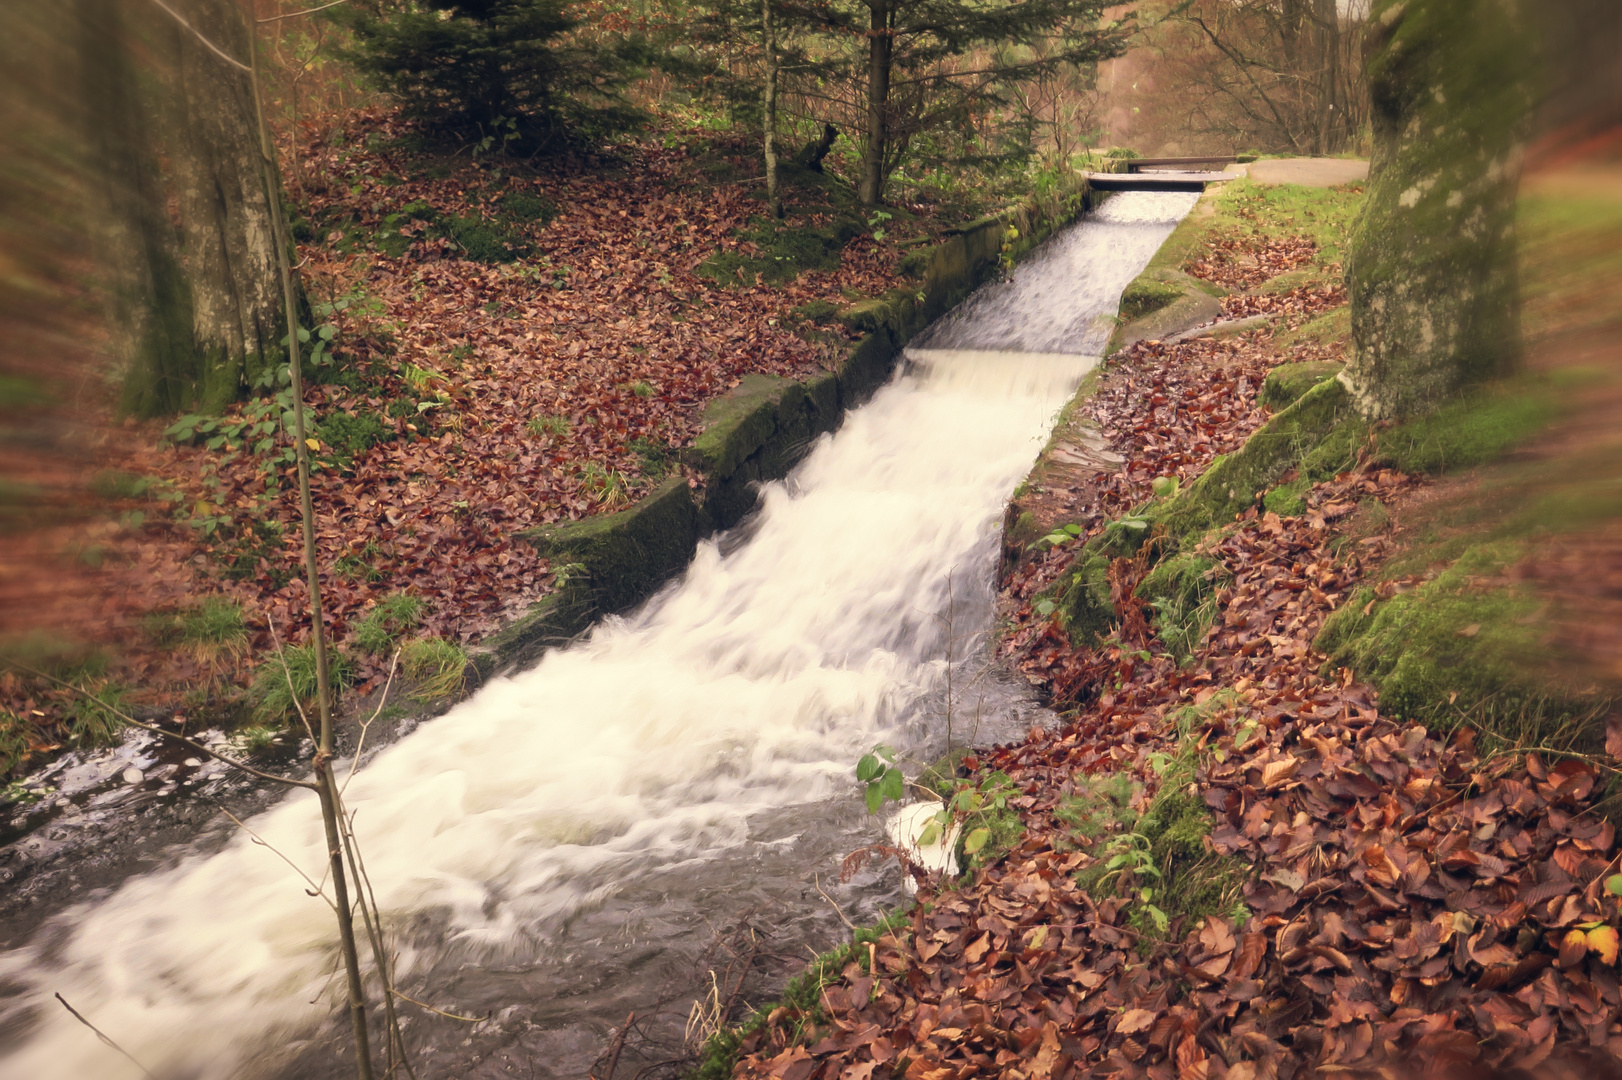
{"points": [[1182, 590], [1286, 383], [1144, 296], [777, 253], [1464, 641], [1472, 430]]}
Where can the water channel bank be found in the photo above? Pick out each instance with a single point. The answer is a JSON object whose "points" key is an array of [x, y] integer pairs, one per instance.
{"points": [[562, 847]]}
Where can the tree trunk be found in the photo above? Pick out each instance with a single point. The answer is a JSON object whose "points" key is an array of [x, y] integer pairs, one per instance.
{"points": [[769, 32], [879, 46], [191, 255], [1328, 20], [1431, 266]]}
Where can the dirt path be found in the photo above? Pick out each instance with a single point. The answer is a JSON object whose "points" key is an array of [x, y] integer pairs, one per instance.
{"points": [[1309, 172]]}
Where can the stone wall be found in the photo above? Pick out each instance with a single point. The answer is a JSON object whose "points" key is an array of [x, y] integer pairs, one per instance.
{"points": [[756, 433]]}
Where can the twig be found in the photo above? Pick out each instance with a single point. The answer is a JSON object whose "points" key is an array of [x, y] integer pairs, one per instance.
{"points": [[354, 762], [213, 48], [615, 1048], [102, 1036], [314, 890], [296, 14], [439, 1012], [816, 879], [128, 719]]}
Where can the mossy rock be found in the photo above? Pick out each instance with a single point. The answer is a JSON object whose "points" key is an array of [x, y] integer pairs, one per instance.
{"points": [[1463, 643], [625, 556], [1234, 482], [1145, 296], [817, 311], [1286, 383], [737, 424]]}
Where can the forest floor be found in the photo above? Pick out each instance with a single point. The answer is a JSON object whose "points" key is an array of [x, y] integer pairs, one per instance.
{"points": [[1235, 861], [499, 344]]}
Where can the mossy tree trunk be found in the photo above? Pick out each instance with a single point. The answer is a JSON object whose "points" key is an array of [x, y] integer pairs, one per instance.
{"points": [[1431, 267], [187, 210]]}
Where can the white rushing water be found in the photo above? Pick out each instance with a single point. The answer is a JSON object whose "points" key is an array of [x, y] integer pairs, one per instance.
{"points": [[752, 684]]}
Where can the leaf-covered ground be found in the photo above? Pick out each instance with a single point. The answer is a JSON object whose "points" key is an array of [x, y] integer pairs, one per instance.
{"points": [[1372, 897], [510, 345]]}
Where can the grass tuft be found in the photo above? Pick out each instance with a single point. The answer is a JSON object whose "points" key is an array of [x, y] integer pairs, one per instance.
{"points": [[437, 665], [382, 628], [277, 692]]}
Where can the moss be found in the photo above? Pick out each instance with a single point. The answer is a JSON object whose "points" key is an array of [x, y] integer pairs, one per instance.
{"points": [[817, 311], [626, 555], [1330, 327], [1472, 430], [1286, 383], [484, 241], [1460, 642], [1182, 590], [352, 434], [1147, 295], [528, 207], [915, 264], [1082, 597], [737, 424], [1235, 481], [1287, 500], [782, 253]]}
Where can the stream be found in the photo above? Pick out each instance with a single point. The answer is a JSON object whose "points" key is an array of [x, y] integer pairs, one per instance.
{"points": [[565, 846]]}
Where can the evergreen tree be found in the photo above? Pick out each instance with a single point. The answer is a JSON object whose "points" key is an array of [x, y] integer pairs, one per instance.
{"points": [[932, 65], [484, 64]]}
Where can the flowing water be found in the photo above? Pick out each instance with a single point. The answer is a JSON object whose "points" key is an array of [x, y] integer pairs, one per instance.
{"points": [[563, 847]]}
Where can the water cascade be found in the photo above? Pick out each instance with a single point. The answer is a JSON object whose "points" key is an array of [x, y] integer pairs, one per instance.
{"points": [[549, 849]]}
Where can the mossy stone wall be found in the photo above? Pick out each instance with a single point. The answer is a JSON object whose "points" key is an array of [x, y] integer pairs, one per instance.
{"points": [[756, 433]]}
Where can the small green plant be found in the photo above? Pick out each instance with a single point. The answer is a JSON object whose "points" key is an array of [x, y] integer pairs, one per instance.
{"points": [[609, 487], [1133, 854], [1060, 536], [286, 681], [437, 665], [978, 811], [13, 746], [214, 631], [547, 425], [881, 778], [391, 619], [254, 738], [642, 389], [874, 221], [360, 564], [94, 716]]}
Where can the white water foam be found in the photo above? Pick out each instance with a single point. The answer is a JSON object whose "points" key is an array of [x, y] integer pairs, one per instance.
{"points": [[753, 684]]}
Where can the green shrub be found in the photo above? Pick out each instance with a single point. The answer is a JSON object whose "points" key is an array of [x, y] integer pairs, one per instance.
{"points": [[391, 619], [352, 434]]}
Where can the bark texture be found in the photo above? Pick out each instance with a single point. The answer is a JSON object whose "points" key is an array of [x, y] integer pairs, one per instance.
{"points": [[189, 254], [1431, 267]]}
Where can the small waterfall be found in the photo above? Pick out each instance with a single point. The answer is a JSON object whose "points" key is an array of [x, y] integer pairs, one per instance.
{"points": [[550, 839]]}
